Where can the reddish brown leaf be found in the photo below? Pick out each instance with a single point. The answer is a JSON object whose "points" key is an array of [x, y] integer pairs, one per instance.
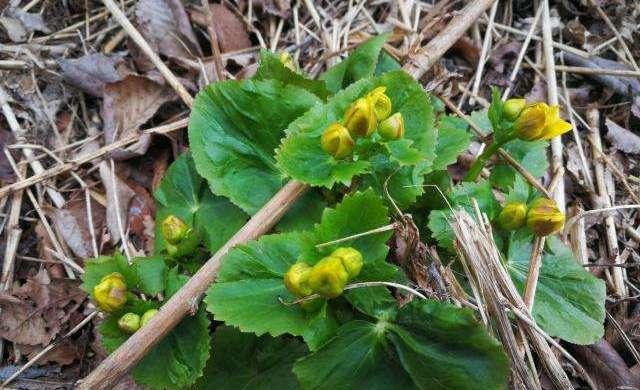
{"points": [[119, 195], [231, 31], [128, 104], [73, 223], [34, 313]]}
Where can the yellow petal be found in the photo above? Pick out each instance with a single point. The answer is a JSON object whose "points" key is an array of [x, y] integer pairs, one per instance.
{"points": [[555, 129]]}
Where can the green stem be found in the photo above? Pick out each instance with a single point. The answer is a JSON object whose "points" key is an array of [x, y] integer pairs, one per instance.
{"points": [[477, 166]]}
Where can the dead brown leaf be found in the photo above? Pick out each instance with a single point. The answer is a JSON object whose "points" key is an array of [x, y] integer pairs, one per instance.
{"points": [[34, 313], [127, 105], [622, 138], [65, 353], [141, 217], [166, 27], [90, 73], [231, 31], [73, 223]]}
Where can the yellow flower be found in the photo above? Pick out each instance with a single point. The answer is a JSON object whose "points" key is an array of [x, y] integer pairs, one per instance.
{"points": [[328, 277], [539, 121], [295, 280], [513, 108], [392, 128], [174, 229], [337, 141], [544, 217], [147, 316], [360, 119], [513, 216], [111, 293], [380, 102], [351, 260], [129, 323]]}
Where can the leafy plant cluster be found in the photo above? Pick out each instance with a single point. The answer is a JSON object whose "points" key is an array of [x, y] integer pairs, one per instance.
{"points": [[247, 139]]}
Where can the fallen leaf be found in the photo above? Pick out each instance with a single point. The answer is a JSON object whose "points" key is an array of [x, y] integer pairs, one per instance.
{"points": [[34, 313], [65, 353], [73, 223], [115, 188], [622, 138], [605, 366], [127, 105], [166, 27], [141, 218], [231, 30], [20, 24], [90, 73]]}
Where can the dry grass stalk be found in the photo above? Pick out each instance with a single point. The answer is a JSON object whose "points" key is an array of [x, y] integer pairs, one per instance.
{"points": [[477, 249]]}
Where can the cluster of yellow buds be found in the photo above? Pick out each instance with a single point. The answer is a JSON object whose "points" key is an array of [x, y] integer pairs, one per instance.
{"points": [[111, 293], [542, 216], [327, 277], [131, 322], [537, 121], [360, 120], [181, 240]]}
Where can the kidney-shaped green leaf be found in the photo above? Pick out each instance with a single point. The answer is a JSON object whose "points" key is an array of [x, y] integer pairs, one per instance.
{"points": [[234, 129], [183, 193], [429, 345]]}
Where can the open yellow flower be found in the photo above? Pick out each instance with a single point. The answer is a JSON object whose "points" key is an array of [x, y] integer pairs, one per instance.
{"points": [[380, 102], [360, 118], [539, 121], [337, 141]]}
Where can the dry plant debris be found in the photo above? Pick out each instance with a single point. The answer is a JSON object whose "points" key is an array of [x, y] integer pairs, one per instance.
{"points": [[95, 153]]}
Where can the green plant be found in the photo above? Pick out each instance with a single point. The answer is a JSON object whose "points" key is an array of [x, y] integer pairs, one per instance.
{"points": [[310, 305]]}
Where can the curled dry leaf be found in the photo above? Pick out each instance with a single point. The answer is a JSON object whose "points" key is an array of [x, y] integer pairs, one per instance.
{"points": [[20, 24], [127, 105], [280, 8], [622, 138], [166, 27], [73, 223], [90, 73], [36, 312]]}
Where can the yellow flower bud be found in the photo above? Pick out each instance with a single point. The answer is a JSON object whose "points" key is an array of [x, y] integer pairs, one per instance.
{"points": [[351, 260], [111, 293], [360, 118], [129, 323], [296, 278], [544, 217], [328, 277], [538, 121], [513, 216], [287, 60], [174, 229], [530, 124], [392, 128], [513, 108], [147, 316], [380, 102], [337, 141]]}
